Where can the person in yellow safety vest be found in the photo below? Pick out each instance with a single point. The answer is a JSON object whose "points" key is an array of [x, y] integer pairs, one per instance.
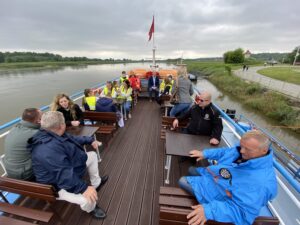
{"points": [[107, 90], [126, 93], [89, 101], [162, 86], [171, 79], [123, 77]]}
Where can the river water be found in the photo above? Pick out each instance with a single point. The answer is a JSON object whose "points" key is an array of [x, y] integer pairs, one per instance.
{"points": [[35, 88]]}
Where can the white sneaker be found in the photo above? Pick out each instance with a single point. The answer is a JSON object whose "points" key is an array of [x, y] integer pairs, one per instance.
{"points": [[129, 115]]}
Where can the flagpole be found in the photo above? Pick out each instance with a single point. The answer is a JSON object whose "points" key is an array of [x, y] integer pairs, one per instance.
{"points": [[153, 49]]}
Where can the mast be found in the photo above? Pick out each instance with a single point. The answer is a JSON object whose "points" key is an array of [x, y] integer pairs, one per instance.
{"points": [[153, 55]]}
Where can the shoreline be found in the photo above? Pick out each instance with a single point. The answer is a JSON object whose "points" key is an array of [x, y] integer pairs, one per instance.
{"points": [[274, 106]]}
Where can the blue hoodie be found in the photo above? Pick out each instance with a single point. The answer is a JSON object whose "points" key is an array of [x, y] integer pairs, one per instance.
{"points": [[105, 105], [59, 160], [234, 192]]}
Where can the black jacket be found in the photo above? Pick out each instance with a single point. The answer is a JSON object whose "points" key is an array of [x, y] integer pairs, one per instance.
{"points": [[68, 115], [205, 121]]}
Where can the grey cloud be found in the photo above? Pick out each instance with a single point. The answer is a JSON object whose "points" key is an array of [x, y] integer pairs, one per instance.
{"points": [[119, 28]]}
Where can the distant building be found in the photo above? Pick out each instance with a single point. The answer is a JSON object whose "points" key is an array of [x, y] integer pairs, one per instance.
{"points": [[247, 54]]}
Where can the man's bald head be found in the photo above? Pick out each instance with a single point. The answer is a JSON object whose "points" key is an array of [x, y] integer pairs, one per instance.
{"points": [[204, 99]]}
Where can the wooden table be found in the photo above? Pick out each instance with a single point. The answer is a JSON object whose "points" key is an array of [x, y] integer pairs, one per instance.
{"points": [[180, 144], [82, 130], [89, 131]]}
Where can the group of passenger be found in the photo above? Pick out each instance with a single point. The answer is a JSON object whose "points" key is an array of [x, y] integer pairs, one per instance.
{"points": [[242, 179], [112, 94], [233, 189]]}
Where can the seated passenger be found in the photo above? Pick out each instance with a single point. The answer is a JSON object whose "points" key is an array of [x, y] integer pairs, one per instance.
{"points": [[89, 100], [59, 159], [71, 111], [153, 86], [165, 88], [126, 94], [205, 119], [238, 186], [17, 160], [107, 90], [105, 105]]}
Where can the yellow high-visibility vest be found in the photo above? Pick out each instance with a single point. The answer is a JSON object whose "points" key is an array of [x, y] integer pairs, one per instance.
{"points": [[91, 102], [127, 94], [162, 86]]}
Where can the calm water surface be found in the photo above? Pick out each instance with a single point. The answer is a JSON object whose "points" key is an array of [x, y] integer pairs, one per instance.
{"points": [[36, 88]]}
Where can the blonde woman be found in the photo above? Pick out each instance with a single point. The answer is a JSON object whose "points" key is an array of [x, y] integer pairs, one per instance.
{"points": [[71, 111]]}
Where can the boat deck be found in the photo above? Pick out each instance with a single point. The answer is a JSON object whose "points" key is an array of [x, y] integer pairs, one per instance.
{"points": [[134, 161]]}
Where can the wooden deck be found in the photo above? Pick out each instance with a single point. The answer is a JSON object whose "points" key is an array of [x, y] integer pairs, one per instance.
{"points": [[134, 162]]}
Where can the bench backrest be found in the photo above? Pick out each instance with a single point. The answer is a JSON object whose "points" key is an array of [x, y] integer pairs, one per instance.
{"points": [[168, 122], [175, 205], [107, 117], [26, 188]]}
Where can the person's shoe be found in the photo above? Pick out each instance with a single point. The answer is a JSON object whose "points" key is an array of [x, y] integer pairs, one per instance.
{"points": [[98, 213], [150, 100], [129, 115], [103, 181]]}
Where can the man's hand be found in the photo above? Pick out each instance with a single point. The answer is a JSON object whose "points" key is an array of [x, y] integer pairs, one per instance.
{"points": [[96, 144], [75, 123], [196, 154], [214, 141], [90, 194], [175, 123], [197, 216]]}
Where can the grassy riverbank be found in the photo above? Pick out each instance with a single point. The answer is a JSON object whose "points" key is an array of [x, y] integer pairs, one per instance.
{"points": [[269, 103], [287, 74]]}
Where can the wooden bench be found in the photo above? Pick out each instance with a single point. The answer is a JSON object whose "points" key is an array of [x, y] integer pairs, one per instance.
{"points": [[30, 189], [167, 124], [107, 121], [175, 204]]}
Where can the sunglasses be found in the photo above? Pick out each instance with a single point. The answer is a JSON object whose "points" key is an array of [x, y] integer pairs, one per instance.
{"points": [[203, 100]]}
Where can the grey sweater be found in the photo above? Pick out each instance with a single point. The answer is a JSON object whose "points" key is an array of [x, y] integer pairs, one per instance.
{"points": [[17, 160], [185, 90]]}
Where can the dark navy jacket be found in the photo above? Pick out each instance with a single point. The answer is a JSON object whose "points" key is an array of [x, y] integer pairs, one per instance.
{"points": [[59, 160], [205, 121], [151, 83], [105, 105]]}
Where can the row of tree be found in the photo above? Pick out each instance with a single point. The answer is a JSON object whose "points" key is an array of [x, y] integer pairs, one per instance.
{"points": [[15, 57], [237, 56]]}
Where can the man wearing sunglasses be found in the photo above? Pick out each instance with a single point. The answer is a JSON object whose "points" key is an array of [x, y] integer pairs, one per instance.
{"points": [[205, 119]]}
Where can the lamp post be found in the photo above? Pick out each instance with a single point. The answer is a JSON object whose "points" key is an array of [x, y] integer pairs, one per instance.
{"points": [[297, 53]]}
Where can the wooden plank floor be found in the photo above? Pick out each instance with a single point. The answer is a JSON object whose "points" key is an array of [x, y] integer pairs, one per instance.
{"points": [[134, 161]]}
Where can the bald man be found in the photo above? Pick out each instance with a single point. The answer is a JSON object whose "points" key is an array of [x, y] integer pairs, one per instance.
{"points": [[205, 119]]}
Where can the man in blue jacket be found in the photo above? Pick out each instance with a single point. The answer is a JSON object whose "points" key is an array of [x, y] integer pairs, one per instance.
{"points": [[237, 187], [59, 159]]}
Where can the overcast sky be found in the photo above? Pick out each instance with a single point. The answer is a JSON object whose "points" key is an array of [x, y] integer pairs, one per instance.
{"points": [[119, 28]]}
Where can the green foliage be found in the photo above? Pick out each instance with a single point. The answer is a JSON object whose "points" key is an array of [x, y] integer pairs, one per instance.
{"points": [[270, 56], [288, 74], [236, 56], [2, 58], [269, 103], [291, 56]]}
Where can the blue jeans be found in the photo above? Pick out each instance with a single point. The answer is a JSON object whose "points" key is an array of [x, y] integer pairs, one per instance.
{"points": [[179, 108], [127, 106], [183, 183]]}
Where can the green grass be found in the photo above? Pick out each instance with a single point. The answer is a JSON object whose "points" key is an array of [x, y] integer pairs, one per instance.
{"points": [[288, 74], [269, 103]]}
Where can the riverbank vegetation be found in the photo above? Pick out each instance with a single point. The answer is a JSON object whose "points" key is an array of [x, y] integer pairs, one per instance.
{"points": [[21, 60], [287, 74], [269, 103]]}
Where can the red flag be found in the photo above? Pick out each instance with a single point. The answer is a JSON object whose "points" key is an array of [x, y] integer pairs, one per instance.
{"points": [[151, 31]]}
